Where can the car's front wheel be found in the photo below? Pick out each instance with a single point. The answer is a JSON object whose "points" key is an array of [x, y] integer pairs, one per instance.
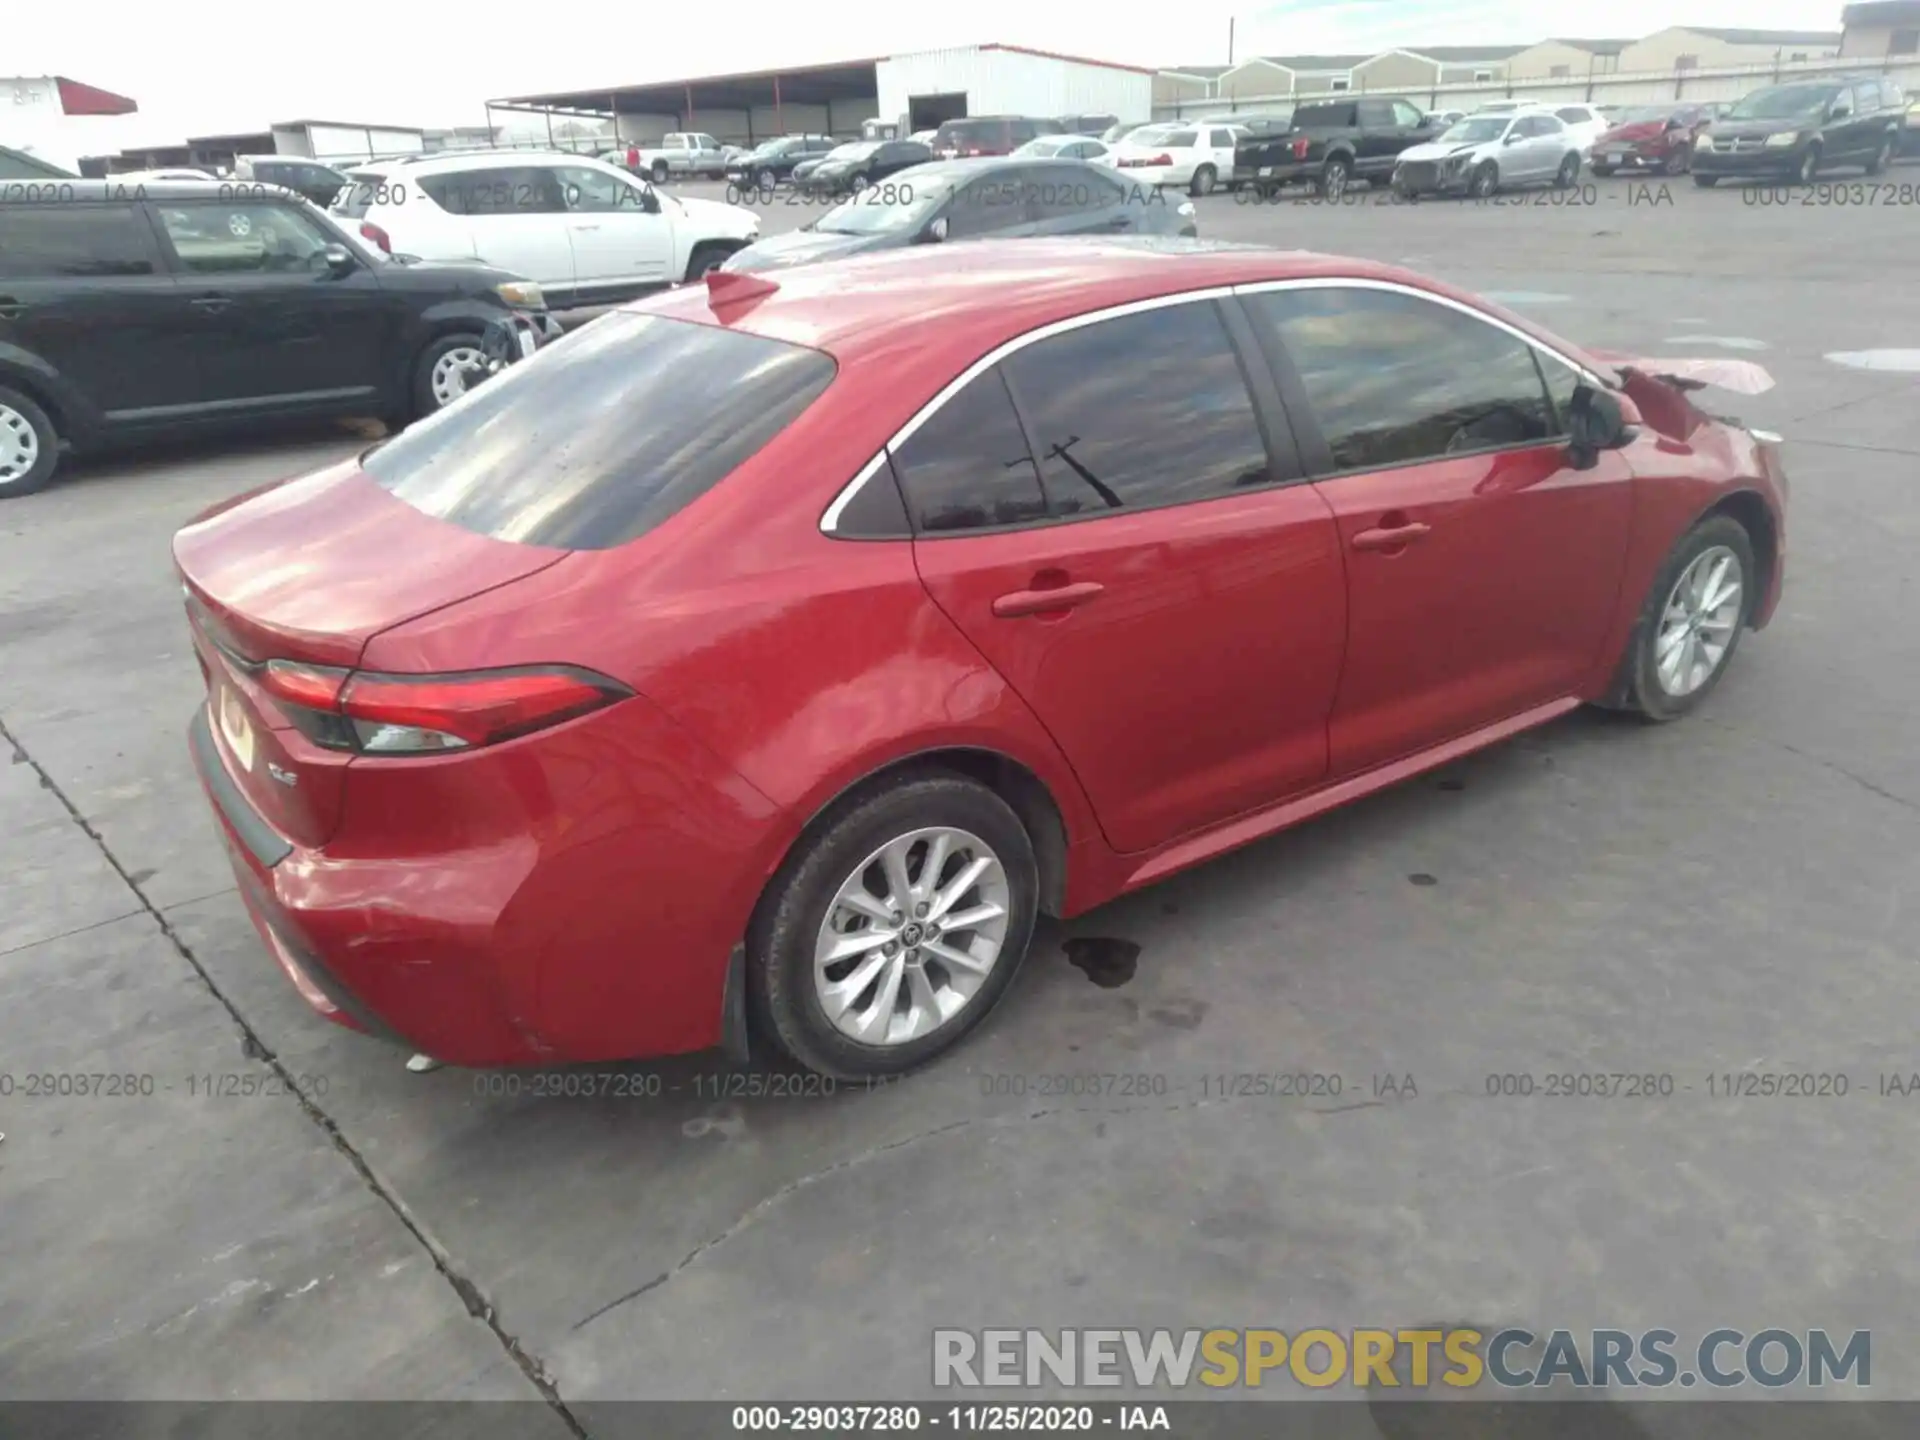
{"points": [[1485, 182], [442, 372], [1569, 172], [704, 258], [29, 445], [1705, 182], [1692, 620], [1882, 157], [1678, 160], [892, 931]]}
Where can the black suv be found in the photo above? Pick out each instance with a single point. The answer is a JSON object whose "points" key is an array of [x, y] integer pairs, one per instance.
{"points": [[1794, 131], [319, 183], [989, 135], [132, 310], [1332, 142], [767, 165]]}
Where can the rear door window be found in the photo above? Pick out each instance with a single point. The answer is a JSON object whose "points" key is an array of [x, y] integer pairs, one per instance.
{"points": [[80, 240], [501, 190], [605, 434]]}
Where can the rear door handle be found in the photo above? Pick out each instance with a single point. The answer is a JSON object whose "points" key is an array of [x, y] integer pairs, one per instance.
{"points": [[1040, 602], [213, 304], [1391, 537]]}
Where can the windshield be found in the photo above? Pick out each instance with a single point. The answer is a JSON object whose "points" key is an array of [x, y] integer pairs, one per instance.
{"points": [[903, 204], [1783, 103], [1476, 132], [859, 150]]}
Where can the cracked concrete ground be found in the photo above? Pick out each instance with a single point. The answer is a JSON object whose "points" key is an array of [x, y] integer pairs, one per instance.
{"points": [[1724, 895]]}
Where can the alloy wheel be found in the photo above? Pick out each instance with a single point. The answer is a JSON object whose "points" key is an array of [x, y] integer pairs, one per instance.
{"points": [[19, 445], [1698, 621], [911, 936], [449, 381]]}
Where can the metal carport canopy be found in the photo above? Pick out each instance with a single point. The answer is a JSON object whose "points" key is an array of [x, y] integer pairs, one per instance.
{"points": [[748, 90]]}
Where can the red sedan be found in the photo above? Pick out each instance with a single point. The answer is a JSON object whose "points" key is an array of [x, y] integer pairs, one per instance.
{"points": [[761, 658], [1652, 137]]}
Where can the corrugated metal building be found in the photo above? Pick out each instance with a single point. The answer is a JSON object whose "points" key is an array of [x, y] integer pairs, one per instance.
{"points": [[936, 85]]}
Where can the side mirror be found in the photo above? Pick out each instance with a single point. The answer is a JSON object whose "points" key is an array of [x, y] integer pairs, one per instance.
{"points": [[1596, 421], [1840, 111], [339, 260], [937, 231]]}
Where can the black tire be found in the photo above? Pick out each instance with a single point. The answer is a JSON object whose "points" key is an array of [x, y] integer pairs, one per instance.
{"points": [[1643, 693], [1486, 181], [766, 181], [780, 941], [857, 182], [659, 172], [1203, 181], [39, 431], [1706, 182], [1569, 173], [1679, 160], [425, 402], [1882, 157], [1603, 171], [1332, 183], [709, 256], [1809, 170]]}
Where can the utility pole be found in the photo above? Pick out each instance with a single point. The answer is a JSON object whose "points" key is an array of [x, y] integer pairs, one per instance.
{"points": [[1229, 42]]}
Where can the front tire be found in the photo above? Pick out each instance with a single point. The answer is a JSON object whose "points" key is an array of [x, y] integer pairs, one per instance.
{"points": [[439, 374], [1679, 160], [1203, 181], [1809, 169], [1603, 171], [1882, 157], [706, 257], [1486, 181], [1569, 173], [29, 445], [1706, 182], [1692, 620], [855, 965]]}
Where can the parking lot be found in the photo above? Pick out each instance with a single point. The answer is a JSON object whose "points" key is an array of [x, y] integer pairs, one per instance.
{"points": [[1715, 898]]}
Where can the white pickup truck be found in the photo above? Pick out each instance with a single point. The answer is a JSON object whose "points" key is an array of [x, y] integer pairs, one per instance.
{"points": [[678, 153]]}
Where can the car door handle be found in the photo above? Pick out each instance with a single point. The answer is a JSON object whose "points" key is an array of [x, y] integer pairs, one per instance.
{"points": [[10, 308], [1391, 537], [213, 304], [1040, 602]]}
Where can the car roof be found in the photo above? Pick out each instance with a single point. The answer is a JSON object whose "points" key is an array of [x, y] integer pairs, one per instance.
{"points": [[137, 186], [941, 307]]}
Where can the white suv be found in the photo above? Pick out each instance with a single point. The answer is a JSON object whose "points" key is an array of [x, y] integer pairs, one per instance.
{"points": [[586, 231]]}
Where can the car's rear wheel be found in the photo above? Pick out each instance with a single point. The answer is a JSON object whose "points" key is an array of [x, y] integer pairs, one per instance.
{"points": [[1692, 620], [890, 934], [1203, 180], [440, 375], [29, 445], [659, 172], [1485, 182], [1706, 182], [1603, 171], [1333, 179], [1569, 171], [1882, 157]]}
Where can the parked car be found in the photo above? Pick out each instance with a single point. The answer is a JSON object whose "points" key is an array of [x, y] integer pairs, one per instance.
{"points": [[1441, 120], [805, 168], [175, 172], [1485, 154], [1331, 143], [1651, 137], [1910, 135], [950, 201], [678, 153], [1585, 123], [1312, 526], [587, 231], [1066, 147], [1794, 131], [1194, 158], [318, 183], [860, 164], [765, 166], [925, 137], [1120, 130], [988, 135], [130, 316], [1089, 125]]}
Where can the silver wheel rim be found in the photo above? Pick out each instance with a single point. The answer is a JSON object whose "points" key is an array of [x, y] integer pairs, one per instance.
{"points": [[911, 936], [19, 445], [1698, 622], [1336, 182], [450, 373], [1204, 182]]}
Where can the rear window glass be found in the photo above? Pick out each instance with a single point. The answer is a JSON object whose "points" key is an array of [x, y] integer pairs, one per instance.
{"points": [[973, 130], [79, 240], [604, 435]]}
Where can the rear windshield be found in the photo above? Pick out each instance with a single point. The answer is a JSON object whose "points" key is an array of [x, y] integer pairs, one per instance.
{"points": [[603, 435], [973, 130]]}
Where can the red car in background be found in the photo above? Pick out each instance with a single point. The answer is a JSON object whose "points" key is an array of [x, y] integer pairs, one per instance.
{"points": [[1652, 137], [753, 664]]}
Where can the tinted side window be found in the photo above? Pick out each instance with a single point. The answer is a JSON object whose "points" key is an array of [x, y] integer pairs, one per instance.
{"points": [[1142, 410], [1375, 113], [258, 237], [1396, 380], [1406, 115], [990, 204], [40, 240], [1057, 191], [605, 434], [520, 190], [968, 467]]}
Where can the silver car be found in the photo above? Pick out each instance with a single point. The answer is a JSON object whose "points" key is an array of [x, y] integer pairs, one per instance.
{"points": [[1485, 154]]}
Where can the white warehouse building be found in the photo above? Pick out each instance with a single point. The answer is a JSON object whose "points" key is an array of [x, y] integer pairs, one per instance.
{"points": [[931, 86]]}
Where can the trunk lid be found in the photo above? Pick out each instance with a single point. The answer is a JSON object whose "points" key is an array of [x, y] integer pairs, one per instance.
{"points": [[310, 570]]}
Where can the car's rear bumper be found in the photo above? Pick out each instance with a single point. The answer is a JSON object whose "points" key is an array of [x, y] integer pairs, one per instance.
{"points": [[1289, 172], [515, 911], [1631, 159]]}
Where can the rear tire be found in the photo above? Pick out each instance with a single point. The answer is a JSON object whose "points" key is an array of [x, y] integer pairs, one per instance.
{"points": [[802, 911], [766, 181], [433, 373], [1706, 182], [29, 445], [1679, 160], [659, 172], [1653, 692], [1603, 171], [1203, 181], [1332, 184]]}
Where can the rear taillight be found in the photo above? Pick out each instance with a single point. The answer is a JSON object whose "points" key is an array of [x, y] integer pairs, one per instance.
{"points": [[1300, 148], [427, 714], [373, 232]]}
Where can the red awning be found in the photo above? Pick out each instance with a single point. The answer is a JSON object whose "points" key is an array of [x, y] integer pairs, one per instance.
{"points": [[78, 99]]}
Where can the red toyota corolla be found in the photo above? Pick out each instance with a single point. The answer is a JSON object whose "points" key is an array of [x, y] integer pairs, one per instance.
{"points": [[759, 659]]}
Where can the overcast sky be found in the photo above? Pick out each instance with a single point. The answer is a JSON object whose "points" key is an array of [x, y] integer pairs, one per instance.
{"points": [[218, 66]]}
